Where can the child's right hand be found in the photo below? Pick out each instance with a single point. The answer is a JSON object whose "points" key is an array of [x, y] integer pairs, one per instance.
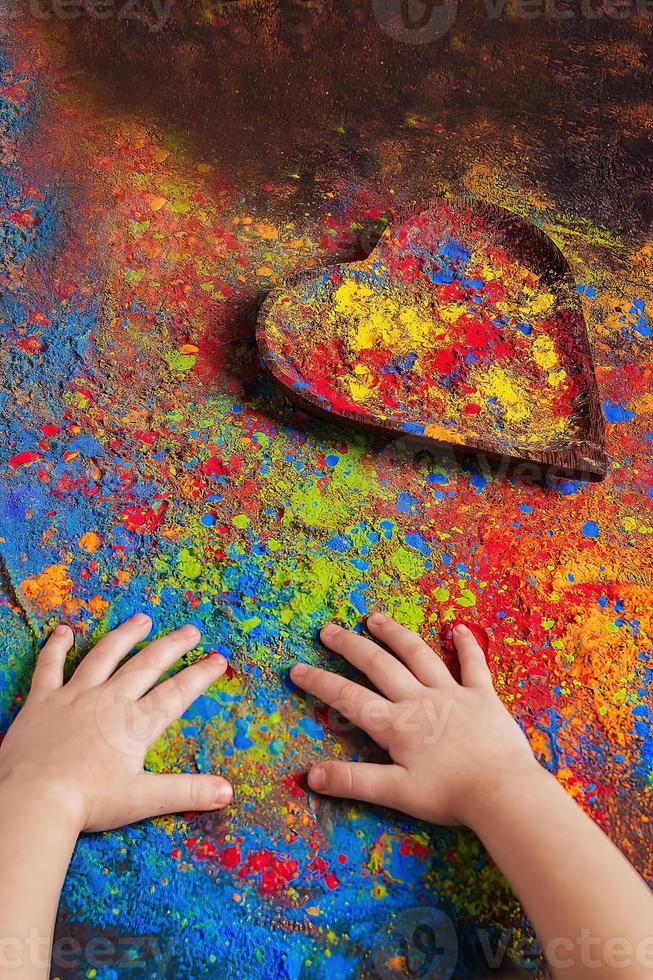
{"points": [[452, 745]]}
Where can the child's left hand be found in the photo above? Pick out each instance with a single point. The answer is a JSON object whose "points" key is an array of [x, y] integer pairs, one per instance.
{"points": [[81, 746]]}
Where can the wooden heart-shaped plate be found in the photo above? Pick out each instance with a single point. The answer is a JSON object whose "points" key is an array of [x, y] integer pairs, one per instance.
{"points": [[462, 329]]}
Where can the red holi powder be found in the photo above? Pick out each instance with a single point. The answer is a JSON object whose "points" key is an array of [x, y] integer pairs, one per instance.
{"points": [[24, 459], [275, 873], [412, 848], [144, 519], [294, 783], [449, 649], [230, 857]]}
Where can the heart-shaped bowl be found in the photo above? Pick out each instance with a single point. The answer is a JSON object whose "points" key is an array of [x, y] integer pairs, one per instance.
{"points": [[461, 330]]}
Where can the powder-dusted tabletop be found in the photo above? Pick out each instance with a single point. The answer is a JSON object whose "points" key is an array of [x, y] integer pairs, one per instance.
{"points": [[156, 185]]}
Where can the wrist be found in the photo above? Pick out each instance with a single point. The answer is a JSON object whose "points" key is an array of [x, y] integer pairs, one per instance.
{"points": [[38, 798], [509, 790]]}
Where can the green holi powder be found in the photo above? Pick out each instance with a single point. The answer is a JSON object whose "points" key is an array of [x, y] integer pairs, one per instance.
{"points": [[179, 363]]}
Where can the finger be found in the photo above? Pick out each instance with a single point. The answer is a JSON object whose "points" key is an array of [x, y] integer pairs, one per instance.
{"points": [[142, 671], [474, 671], [385, 671], [418, 656], [368, 781], [156, 794], [169, 700], [100, 662], [48, 673], [364, 708]]}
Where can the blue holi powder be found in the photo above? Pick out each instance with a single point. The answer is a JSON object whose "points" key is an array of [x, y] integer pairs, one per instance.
{"points": [[591, 529], [361, 565], [477, 480], [388, 527], [414, 428], [359, 602], [311, 728], [616, 413], [241, 738], [406, 504], [567, 488], [339, 543], [416, 540]]}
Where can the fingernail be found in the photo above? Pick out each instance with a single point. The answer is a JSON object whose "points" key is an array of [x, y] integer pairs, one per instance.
{"points": [[330, 630], [216, 658], [298, 670], [140, 619], [62, 629], [317, 778], [377, 618], [190, 631], [224, 793], [460, 629]]}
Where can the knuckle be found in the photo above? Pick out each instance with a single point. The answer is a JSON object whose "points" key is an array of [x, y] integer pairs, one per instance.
{"points": [[376, 660], [346, 691], [195, 793], [183, 687], [347, 779], [413, 645], [147, 660]]}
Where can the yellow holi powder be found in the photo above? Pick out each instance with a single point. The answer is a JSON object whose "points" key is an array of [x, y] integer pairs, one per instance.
{"points": [[538, 302], [544, 352], [452, 312], [381, 320], [434, 431], [556, 378], [509, 393], [359, 386]]}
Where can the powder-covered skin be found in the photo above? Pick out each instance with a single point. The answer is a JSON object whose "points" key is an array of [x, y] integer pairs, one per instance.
{"points": [[148, 465], [444, 332]]}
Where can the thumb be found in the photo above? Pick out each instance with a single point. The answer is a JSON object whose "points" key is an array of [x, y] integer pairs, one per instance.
{"points": [[156, 794]]}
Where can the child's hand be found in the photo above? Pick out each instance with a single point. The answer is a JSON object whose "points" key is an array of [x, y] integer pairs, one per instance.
{"points": [[449, 742], [80, 746]]}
